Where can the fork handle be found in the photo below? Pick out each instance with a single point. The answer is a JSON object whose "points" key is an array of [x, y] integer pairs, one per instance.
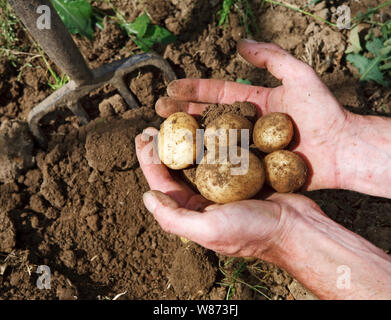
{"points": [[55, 41]]}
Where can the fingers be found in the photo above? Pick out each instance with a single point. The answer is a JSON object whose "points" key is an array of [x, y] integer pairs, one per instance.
{"points": [[277, 61], [216, 91], [156, 173], [166, 106]]}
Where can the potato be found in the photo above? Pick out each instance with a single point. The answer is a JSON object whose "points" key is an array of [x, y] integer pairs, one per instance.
{"points": [[177, 141], [272, 132], [216, 182], [285, 171], [226, 122]]}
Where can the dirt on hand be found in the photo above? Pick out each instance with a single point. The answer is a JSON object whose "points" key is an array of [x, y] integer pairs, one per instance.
{"points": [[78, 208]]}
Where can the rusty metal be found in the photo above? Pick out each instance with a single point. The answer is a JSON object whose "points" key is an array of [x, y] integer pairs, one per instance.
{"points": [[62, 50]]}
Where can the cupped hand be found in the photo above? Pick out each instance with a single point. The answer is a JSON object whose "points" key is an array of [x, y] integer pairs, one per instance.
{"points": [[318, 117], [256, 228]]}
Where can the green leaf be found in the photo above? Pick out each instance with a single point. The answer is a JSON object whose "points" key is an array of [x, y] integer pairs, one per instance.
{"points": [[154, 34], [385, 66], [369, 69], [374, 46], [76, 15], [244, 81], [139, 26], [354, 39]]}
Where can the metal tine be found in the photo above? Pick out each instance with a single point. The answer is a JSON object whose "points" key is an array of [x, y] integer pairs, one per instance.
{"points": [[79, 112], [125, 92]]}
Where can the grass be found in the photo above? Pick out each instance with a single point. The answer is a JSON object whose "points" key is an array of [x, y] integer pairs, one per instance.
{"points": [[10, 48], [231, 280], [246, 15], [8, 36]]}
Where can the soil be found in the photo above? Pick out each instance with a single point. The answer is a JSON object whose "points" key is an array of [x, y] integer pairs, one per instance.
{"points": [[214, 111], [79, 208]]}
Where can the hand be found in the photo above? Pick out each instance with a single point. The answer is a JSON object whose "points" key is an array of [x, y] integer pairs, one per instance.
{"points": [[318, 117], [247, 228]]}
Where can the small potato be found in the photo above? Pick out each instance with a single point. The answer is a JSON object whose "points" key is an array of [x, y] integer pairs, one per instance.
{"points": [[272, 132], [225, 123], [285, 171], [177, 141], [217, 183]]}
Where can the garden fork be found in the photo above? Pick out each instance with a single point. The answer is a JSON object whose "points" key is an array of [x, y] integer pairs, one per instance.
{"points": [[62, 50]]}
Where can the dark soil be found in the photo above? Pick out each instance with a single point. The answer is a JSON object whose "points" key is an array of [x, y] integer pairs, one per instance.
{"points": [[79, 210]]}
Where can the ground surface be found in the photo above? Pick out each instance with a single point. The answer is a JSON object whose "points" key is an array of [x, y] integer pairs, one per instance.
{"points": [[79, 209]]}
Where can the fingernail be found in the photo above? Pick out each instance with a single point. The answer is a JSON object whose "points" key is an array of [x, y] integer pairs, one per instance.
{"points": [[150, 201], [154, 198], [171, 88], [249, 40]]}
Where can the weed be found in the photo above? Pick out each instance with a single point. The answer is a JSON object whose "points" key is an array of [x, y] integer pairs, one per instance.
{"points": [[231, 280], [246, 15], [8, 36], [373, 57], [142, 31]]}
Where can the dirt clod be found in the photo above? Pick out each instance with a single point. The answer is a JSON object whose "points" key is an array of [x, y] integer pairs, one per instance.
{"points": [[7, 233], [192, 271], [111, 145], [16, 150]]}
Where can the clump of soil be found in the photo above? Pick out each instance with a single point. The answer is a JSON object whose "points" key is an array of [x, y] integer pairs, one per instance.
{"points": [[16, 150], [214, 111], [193, 271], [111, 145], [7, 233]]}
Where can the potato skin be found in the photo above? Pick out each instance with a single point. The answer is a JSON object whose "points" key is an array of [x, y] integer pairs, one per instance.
{"points": [[285, 171], [272, 132], [216, 183], [177, 141], [227, 121]]}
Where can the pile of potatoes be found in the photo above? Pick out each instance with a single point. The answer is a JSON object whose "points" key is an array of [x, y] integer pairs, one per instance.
{"points": [[283, 170]]}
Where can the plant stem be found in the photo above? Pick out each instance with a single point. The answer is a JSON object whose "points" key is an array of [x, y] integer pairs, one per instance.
{"points": [[301, 11]]}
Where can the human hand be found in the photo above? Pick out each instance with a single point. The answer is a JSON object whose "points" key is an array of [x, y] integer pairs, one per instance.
{"points": [[318, 117], [255, 228], [288, 230]]}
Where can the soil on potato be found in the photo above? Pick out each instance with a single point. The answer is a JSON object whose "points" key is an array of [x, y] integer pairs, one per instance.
{"points": [[79, 210]]}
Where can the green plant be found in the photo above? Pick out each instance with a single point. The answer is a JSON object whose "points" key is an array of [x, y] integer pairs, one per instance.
{"points": [[244, 81], [8, 35], [77, 15], [246, 15], [144, 33], [373, 58], [59, 81], [289, 6], [231, 280]]}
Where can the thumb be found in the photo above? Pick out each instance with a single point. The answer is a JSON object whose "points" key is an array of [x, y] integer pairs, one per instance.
{"points": [[186, 223]]}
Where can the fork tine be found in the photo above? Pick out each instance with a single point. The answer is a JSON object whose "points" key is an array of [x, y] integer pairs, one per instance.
{"points": [[79, 112], [120, 85]]}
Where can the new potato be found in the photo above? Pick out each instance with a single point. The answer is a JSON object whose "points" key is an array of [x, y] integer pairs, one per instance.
{"points": [[216, 182], [177, 141], [272, 132], [285, 171], [218, 131]]}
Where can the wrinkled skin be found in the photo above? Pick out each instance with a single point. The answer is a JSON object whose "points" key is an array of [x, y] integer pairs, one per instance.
{"points": [[286, 229]]}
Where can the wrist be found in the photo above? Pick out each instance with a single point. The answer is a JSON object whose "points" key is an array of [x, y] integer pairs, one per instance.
{"points": [[363, 155], [319, 253]]}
